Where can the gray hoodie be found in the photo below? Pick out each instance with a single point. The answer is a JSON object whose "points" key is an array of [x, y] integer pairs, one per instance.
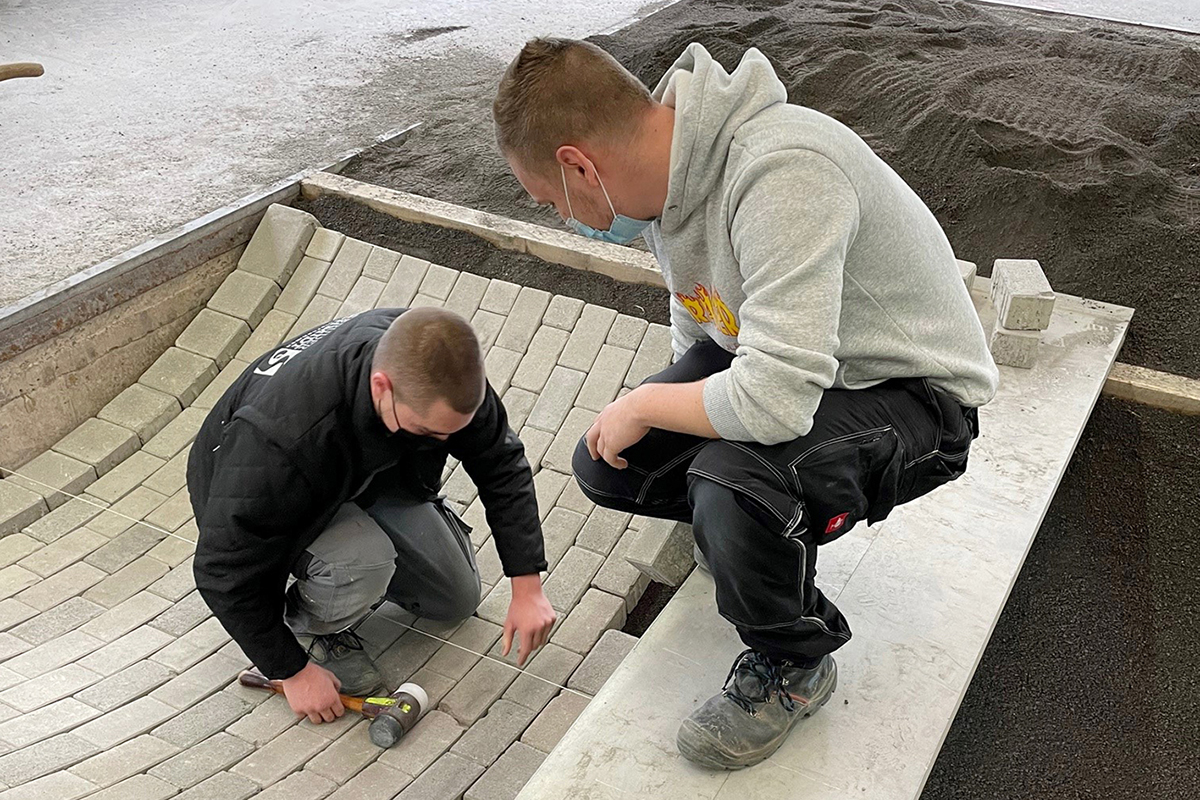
{"points": [[786, 240]]}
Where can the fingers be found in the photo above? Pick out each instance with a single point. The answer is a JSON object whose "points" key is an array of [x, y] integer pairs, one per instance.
{"points": [[337, 682], [508, 637], [592, 436], [526, 647], [338, 708], [327, 714], [314, 718]]}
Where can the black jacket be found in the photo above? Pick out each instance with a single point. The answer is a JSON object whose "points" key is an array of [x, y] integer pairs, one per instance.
{"points": [[295, 437]]}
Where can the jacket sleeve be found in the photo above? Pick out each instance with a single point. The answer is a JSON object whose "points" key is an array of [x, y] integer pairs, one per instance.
{"points": [[257, 503], [796, 215], [494, 458]]}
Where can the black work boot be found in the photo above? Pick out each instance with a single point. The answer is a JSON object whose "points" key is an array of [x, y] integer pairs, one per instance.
{"points": [[748, 721], [343, 655]]}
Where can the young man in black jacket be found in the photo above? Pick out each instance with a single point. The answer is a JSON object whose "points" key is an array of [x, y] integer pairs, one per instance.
{"points": [[323, 461]]}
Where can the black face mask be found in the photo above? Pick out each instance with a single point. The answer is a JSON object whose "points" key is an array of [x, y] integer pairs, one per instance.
{"points": [[400, 434]]}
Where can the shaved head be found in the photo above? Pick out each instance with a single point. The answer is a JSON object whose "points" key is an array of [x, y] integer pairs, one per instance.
{"points": [[431, 354]]}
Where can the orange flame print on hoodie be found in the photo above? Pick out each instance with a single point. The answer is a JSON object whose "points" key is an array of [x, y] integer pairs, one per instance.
{"points": [[706, 306]]}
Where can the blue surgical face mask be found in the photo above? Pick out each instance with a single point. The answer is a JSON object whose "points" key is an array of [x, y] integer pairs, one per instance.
{"points": [[623, 229]]}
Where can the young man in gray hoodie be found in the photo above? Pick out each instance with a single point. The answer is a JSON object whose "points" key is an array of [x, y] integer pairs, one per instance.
{"points": [[829, 361]]}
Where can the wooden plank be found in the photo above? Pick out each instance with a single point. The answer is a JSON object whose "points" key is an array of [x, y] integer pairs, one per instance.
{"points": [[1153, 388]]}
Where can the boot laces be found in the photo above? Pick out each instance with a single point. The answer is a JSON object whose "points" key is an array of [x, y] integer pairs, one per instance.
{"points": [[338, 644], [754, 680]]}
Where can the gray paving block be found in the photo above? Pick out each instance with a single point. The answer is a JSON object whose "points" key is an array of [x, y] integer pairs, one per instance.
{"points": [[968, 270], [324, 244], [596, 613], [438, 281], [553, 665], [183, 615], [572, 576], [559, 530], [406, 655], [488, 561], [573, 499], [447, 779], [181, 374], [362, 297], [460, 488], [541, 356], [454, 660], [436, 686], [55, 621], [16, 546], [178, 433], [222, 786], [245, 296], [558, 457], [603, 528], [137, 787], [605, 377], [602, 661], [15, 579], [197, 644], [269, 719], [322, 309], [487, 326], [126, 512], [1021, 295], [124, 548], [627, 332], [48, 687], [172, 513], [214, 335], [424, 300], [59, 786], [424, 744], [302, 287], [124, 651], [556, 400], [278, 243], [13, 611], [653, 355], [199, 681], [125, 760], [563, 312], [524, 318], [129, 474], [1014, 348], [282, 756], [126, 582], [663, 549], [536, 442], [499, 297], [304, 785], [475, 693], [19, 506], [381, 263], [51, 755], [505, 779], [488, 738], [61, 585], [125, 722], [467, 294], [60, 717], [376, 782], [518, 403], [63, 552], [68, 517], [554, 721], [53, 476], [587, 337], [269, 334], [346, 757], [201, 761], [181, 580], [346, 269], [129, 684], [405, 281], [143, 410], [171, 477]]}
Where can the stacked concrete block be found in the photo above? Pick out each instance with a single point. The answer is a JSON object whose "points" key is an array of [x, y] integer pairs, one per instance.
{"points": [[324, 244], [1024, 303], [381, 264], [181, 374], [214, 335], [663, 550], [246, 296], [99, 443], [267, 336], [301, 289], [467, 294], [346, 268], [55, 477], [278, 243], [967, 271], [19, 506]]}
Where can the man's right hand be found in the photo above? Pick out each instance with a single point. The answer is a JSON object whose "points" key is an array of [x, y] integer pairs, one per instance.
{"points": [[313, 692]]}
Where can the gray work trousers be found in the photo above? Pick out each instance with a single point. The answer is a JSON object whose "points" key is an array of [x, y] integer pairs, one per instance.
{"points": [[415, 553]]}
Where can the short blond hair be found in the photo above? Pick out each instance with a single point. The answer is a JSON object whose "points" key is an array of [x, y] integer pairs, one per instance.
{"points": [[564, 91], [429, 354]]}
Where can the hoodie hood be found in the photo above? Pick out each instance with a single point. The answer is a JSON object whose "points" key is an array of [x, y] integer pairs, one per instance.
{"points": [[710, 106]]}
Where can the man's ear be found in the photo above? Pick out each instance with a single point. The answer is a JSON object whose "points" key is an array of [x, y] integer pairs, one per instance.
{"points": [[574, 159]]}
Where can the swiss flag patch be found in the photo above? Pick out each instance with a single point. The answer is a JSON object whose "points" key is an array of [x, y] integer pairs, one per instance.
{"points": [[836, 523]]}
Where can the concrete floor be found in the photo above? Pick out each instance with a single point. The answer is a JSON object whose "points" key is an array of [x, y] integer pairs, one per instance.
{"points": [[151, 114], [1180, 15]]}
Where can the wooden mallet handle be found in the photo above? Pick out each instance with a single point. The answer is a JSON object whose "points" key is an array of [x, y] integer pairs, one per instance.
{"points": [[26, 69], [256, 680]]}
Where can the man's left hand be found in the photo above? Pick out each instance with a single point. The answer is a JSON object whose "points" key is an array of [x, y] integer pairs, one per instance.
{"points": [[529, 615], [618, 426]]}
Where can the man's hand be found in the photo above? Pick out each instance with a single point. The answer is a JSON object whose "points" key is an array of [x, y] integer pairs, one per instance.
{"points": [[313, 692], [618, 426], [530, 615]]}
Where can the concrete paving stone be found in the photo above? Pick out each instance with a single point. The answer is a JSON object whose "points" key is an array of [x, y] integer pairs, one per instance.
{"points": [[488, 562], [627, 332], [467, 294], [500, 297], [536, 442], [408, 654], [280, 757], [435, 685], [501, 365], [269, 334], [220, 384], [54, 477], [363, 296], [558, 457], [181, 580], [59, 717], [376, 782], [11, 645], [126, 582], [126, 512], [381, 263], [405, 281], [347, 267], [99, 443], [181, 374], [137, 787], [128, 649], [488, 738], [322, 309], [425, 300], [438, 281], [573, 499], [63, 552], [968, 270], [487, 326], [177, 434], [605, 378], [183, 615], [302, 287], [62, 585], [596, 613], [554, 721], [68, 517], [303, 785], [56, 621], [124, 548], [214, 335], [324, 244], [60, 786], [382, 628], [505, 779], [278, 243], [448, 777], [125, 722], [547, 486], [15, 579], [126, 616], [1011, 348], [17, 546], [602, 661], [664, 550], [559, 531], [475, 693], [140, 409], [653, 355], [199, 762], [556, 399], [48, 688], [563, 312], [47, 756], [572, 576], [131, 758], [14, 612], [553, 665], [271, 718], [518, 403], [173, 513], [245, 296], [19, 506], [476, 636], [1021, 295], [129, 474], [346, 757], [541, 356], [198, 681], [602, 530], [170, 477], [494, 606], [222, 786], [460, 488], [197, 644], [189, 532], [127, 685], [8, 678], [587, 337], [524, 318]]}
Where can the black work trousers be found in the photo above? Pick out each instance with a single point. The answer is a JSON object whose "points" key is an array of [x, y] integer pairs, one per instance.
{"points": [[760, 512]]}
